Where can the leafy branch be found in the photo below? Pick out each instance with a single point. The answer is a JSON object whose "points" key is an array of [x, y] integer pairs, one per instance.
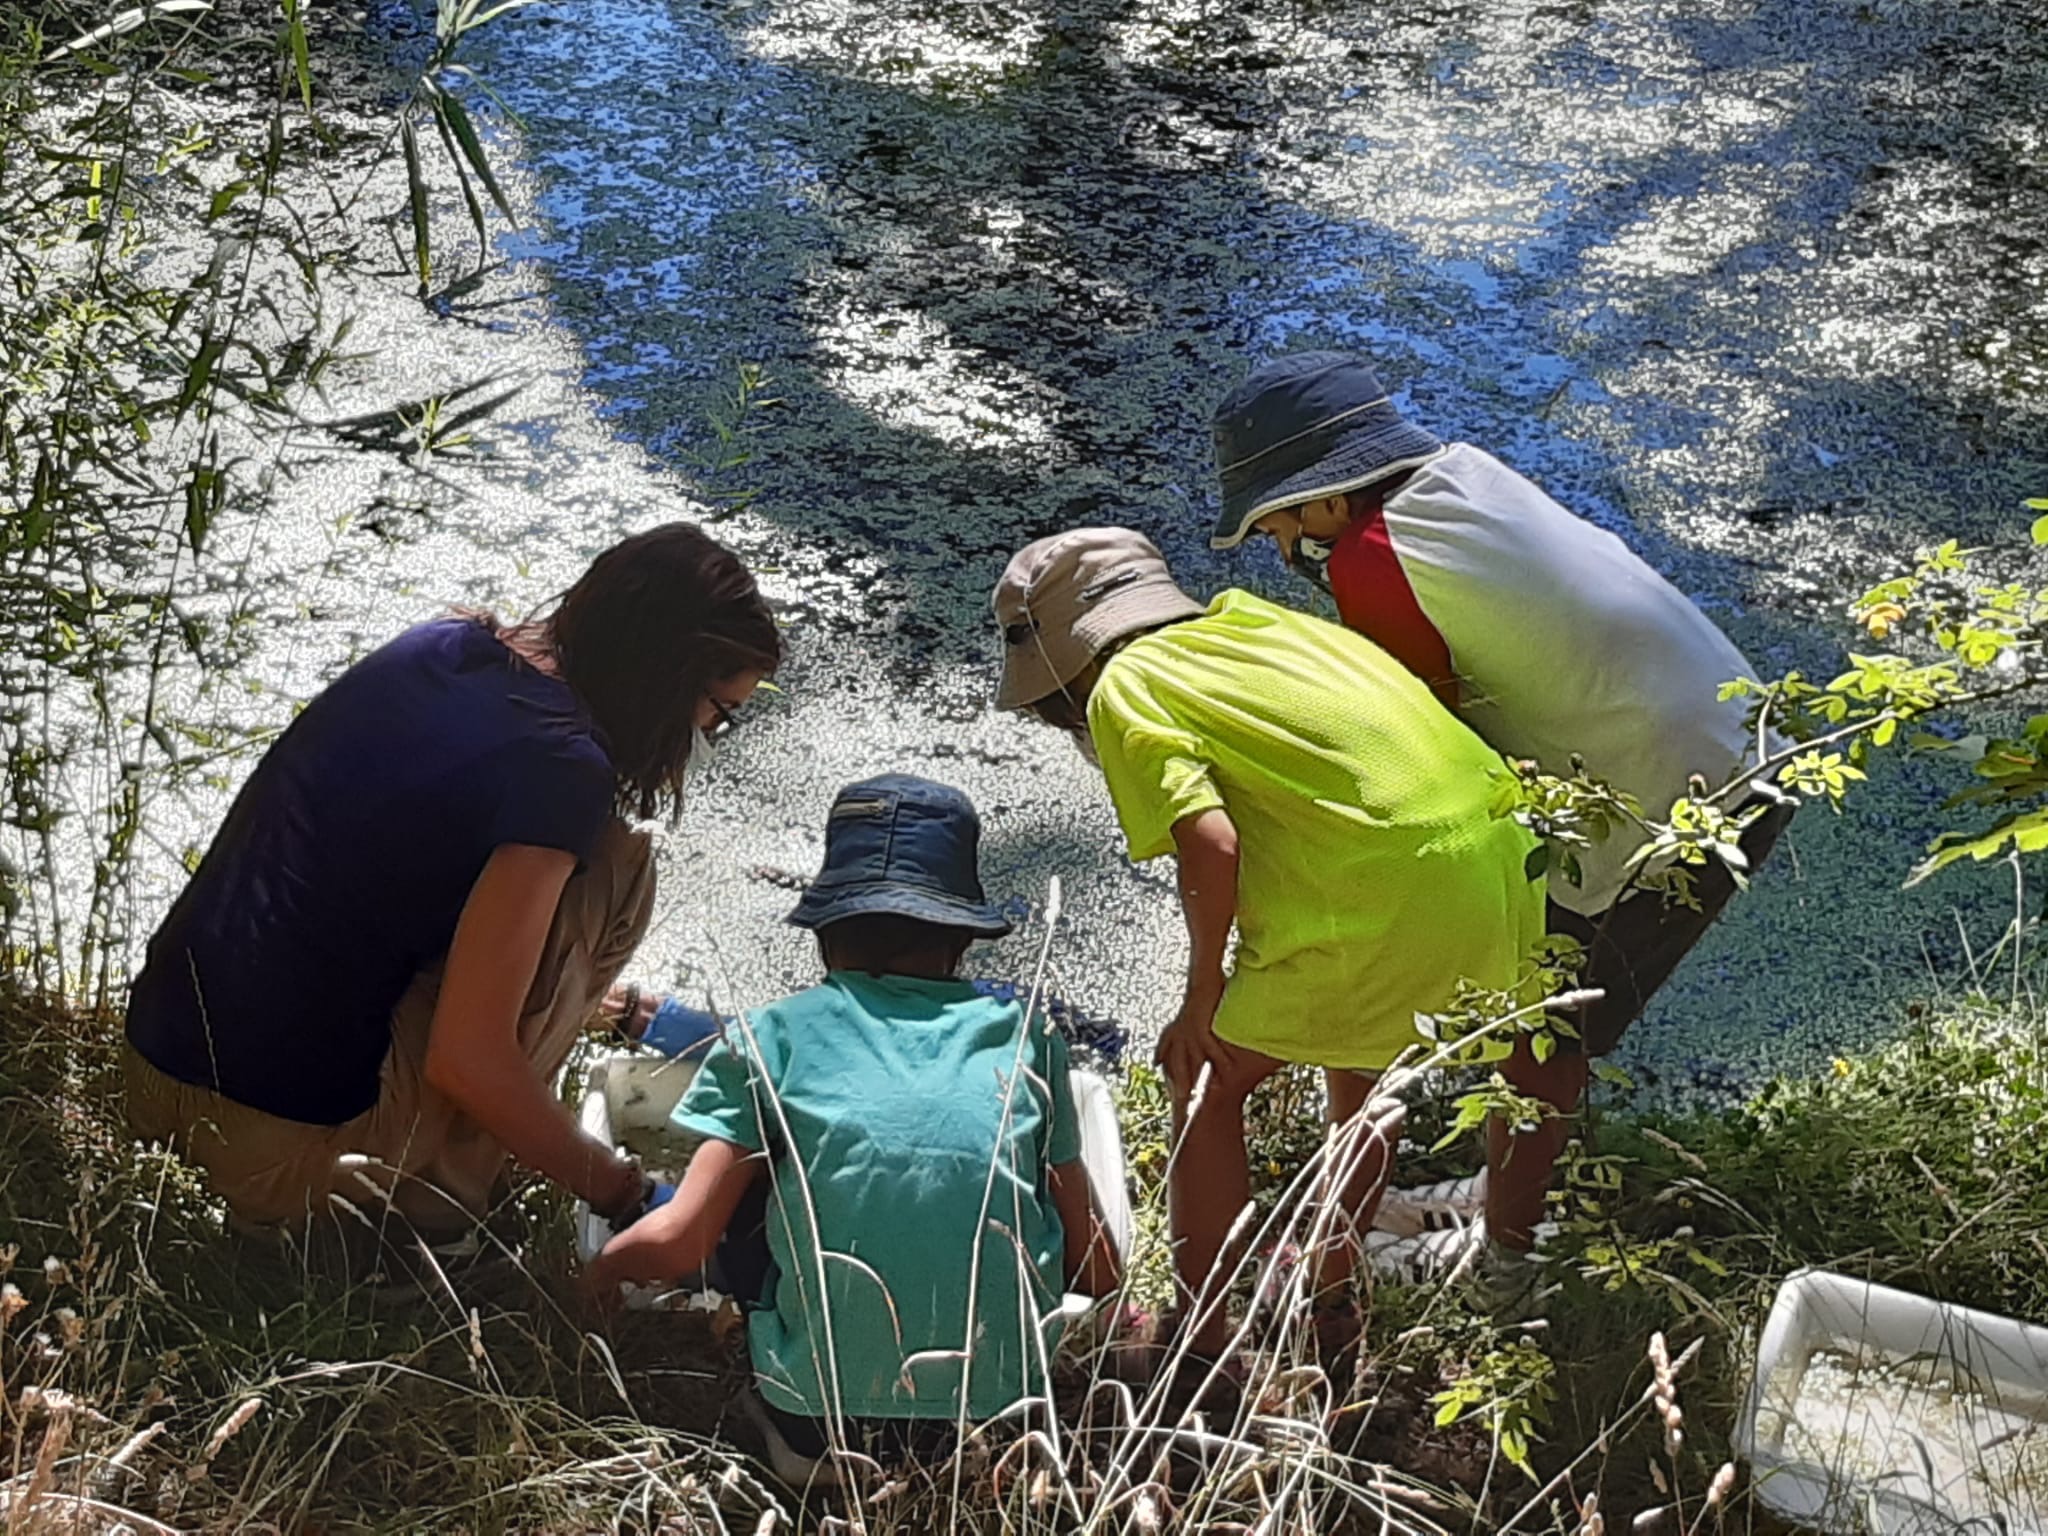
{"points": [[1961, 641]]}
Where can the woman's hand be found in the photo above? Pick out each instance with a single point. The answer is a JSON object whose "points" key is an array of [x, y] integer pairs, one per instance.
{"points": [[629, 1010], [679, 1237]]}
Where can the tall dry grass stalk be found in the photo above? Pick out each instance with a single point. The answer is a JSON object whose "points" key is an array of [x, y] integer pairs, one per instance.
{"points": [[158, 1372], [1266, 1444]]}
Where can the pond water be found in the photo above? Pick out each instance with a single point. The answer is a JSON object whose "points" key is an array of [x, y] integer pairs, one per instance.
{"points": [[1966, 1452], [1759, 286]]}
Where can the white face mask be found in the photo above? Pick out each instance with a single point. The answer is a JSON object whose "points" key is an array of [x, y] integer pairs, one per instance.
{"points": [[1311, 560], [1314, 551], [701, 753]]}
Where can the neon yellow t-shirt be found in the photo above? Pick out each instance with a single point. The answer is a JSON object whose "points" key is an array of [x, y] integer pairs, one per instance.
{"points": [[1371, 874]]}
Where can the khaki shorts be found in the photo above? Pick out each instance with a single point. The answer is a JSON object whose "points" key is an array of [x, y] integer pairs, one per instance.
{"points": [[412, 1149]]}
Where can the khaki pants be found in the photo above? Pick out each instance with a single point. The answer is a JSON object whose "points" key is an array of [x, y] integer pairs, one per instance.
{"points": [[412, 1148]]}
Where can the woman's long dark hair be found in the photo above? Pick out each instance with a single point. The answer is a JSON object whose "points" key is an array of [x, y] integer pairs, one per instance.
{"points": [[656, 620]]}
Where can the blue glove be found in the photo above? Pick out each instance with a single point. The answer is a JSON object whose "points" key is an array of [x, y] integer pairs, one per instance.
{"points": [[677, 1030], [659, 1196]]}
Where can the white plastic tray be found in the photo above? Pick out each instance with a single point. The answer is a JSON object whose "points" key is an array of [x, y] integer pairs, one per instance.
{"points": [[637, 1090], [1876, 1410]]}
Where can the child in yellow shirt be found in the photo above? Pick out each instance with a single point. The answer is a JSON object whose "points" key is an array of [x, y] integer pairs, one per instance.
{"points": [[1318, 800]]}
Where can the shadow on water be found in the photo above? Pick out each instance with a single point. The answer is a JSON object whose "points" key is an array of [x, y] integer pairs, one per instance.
{"points": [[1741, 283], [999, 292], [982, 311]]}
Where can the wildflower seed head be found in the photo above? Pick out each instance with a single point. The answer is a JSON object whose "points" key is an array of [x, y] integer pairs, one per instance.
{"points": [[1724, 1481], [231, 1426]]}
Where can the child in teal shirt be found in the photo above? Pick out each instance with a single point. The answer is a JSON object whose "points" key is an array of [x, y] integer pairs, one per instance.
{"points": [[926, 1203]]}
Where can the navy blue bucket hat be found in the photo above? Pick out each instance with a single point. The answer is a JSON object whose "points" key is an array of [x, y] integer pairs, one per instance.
{"points": [[1304, 426], [904, 846]]}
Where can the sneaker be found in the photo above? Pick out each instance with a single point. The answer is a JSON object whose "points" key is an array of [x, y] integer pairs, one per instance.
{"points": [[796, 1470], [460, 1269], [1425, 1257], [1437, 1207], [1508, 1286]]}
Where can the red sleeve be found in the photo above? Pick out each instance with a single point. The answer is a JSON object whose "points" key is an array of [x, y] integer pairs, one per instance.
{"points": [[1374, 597]]}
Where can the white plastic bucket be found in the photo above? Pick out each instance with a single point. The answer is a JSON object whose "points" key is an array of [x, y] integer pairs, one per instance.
{"points": [[1102, 1154], [633, 1091]]}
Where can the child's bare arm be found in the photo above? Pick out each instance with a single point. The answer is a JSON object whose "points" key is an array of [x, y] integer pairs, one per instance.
{"points": [[1092, 1267], [679, 1237], [1207, 845]]}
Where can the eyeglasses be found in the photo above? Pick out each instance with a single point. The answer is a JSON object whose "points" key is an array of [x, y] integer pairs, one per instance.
{"points": [[723, 726]]}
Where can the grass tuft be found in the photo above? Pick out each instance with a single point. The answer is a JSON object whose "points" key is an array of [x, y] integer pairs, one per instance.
{"points": [[160, 1371]]}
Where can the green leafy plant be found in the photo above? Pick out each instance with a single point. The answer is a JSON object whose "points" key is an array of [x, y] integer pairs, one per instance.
{"points": [[436, 102], [121, 376], [1509, 1388], [148, 390], [1965, 640]]}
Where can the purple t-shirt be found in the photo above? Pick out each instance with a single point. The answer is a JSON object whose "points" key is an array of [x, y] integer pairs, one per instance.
{"points": [[346, 859]]}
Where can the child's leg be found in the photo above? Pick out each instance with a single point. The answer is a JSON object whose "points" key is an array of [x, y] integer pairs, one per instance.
{"points": [[1208, 1184], [806, 1436], [1518, 1167], [1631, 951], [1364, 1165]]}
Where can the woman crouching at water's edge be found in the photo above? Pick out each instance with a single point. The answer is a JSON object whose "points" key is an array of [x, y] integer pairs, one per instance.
{"points": [[422, 893]]}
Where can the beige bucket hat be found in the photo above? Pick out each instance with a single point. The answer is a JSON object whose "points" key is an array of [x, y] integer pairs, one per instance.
{"points": [[1063, 598]]}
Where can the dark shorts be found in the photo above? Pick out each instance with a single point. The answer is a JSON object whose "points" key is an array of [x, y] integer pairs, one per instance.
{"points": [[1633, 947], [744, 1269]]}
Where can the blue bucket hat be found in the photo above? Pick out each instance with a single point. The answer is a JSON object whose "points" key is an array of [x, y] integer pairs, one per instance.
{"points": [[904, 846], [1304, 426]]}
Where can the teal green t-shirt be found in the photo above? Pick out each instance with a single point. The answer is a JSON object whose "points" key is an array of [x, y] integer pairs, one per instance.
{"points": [[885, 1102]]}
